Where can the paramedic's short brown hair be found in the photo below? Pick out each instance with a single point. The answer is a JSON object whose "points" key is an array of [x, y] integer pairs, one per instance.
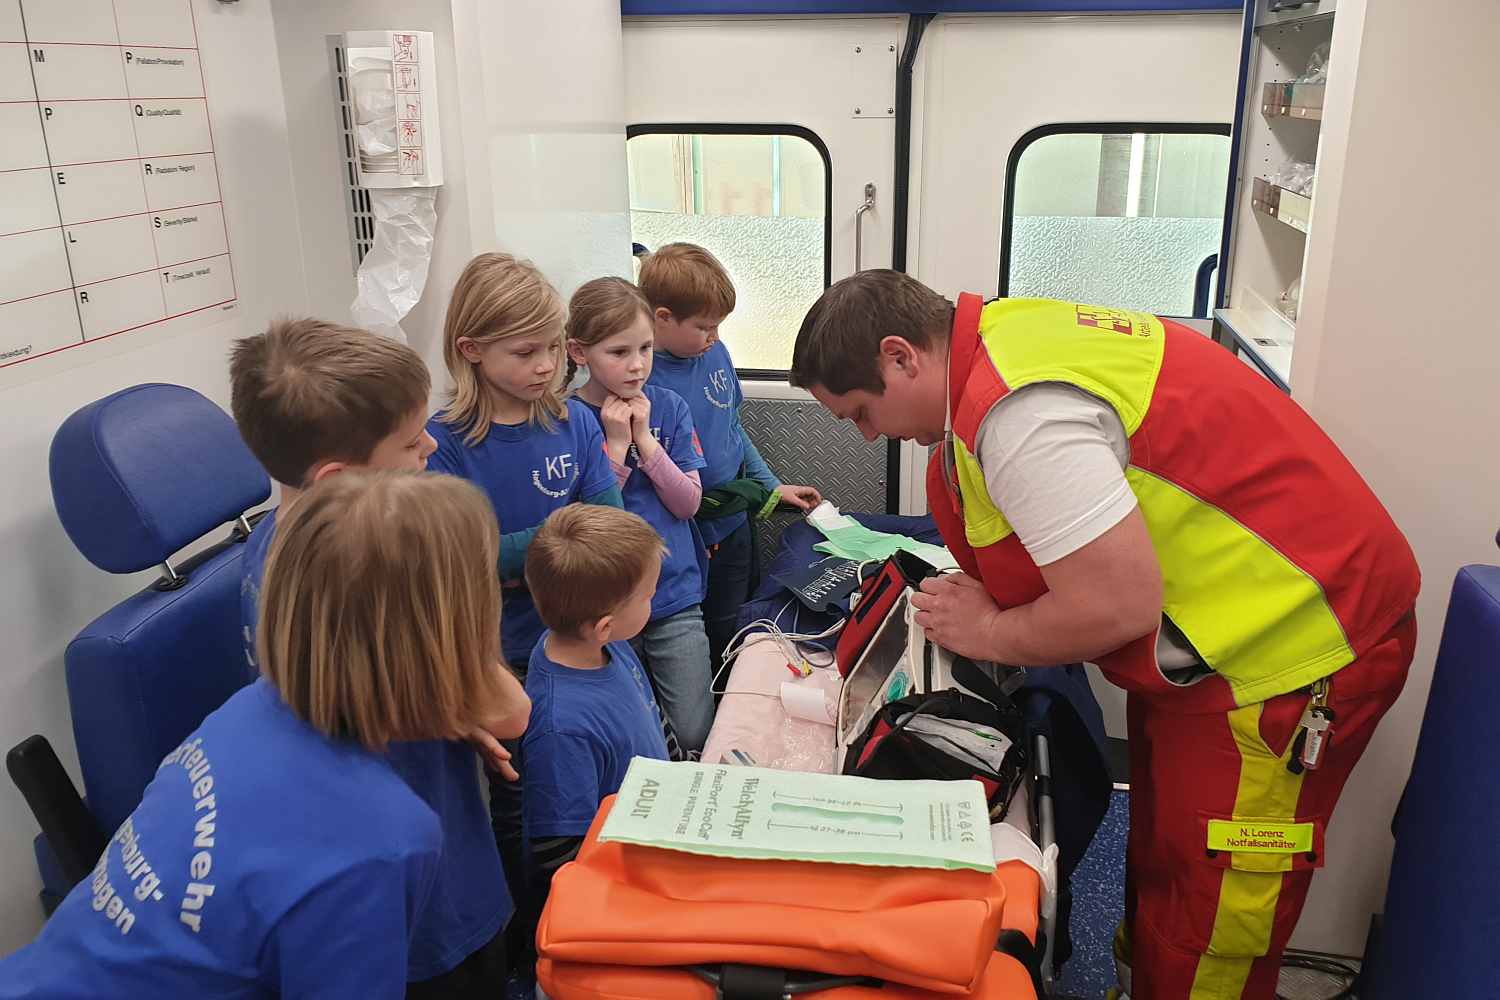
{"points": [[380, 609], [838, 346], [307, 391], [689, 281], [585, 561]]}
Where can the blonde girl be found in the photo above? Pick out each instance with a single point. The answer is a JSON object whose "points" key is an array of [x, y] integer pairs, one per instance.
{"points": [[279, 824], [654, 451], [508, 432]]}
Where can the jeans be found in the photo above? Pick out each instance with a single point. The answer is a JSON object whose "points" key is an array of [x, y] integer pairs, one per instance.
{"points": [[730, 565], [674, 651]]}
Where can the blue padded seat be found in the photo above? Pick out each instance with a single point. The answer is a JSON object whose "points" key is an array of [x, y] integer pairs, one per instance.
{"points": [[1441, 933], [136, 476]]}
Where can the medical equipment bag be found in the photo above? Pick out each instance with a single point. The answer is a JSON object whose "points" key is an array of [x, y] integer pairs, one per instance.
{"points": [[626, 922], [986, 739]]}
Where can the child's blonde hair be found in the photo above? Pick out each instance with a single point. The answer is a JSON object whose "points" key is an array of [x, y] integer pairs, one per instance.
{"points": [[688, 280], [585, 561], [380, 612], [600, 309], [497, 297]]}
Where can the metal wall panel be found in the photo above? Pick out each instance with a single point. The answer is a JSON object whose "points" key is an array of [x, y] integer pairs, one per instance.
{"points": [[805, 444]]}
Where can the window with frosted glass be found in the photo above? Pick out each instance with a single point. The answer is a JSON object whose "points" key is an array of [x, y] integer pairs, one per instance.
{"points": [[1122, 219], [758, 202]]}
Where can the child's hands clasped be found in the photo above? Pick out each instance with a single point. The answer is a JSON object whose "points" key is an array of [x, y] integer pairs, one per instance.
{"points": [[640, 427], [617, 417]]}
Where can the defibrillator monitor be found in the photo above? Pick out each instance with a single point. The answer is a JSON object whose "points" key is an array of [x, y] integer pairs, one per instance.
{"points": [[883, 673]]}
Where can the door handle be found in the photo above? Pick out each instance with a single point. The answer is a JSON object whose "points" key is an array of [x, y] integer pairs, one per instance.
{"points": [[859, 227]]}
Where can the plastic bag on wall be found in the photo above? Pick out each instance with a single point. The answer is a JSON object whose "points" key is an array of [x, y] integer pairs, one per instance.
{"points": [[394, 271], [1296, 176], [1317, 66]]}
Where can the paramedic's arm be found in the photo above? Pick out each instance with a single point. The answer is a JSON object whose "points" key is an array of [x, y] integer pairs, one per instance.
{"points": [[1098, 598], [513, 545], [1054, 459], [803, 497]]}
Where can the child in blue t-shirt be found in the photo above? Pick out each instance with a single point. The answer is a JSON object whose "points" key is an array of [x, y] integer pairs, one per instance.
{"points": [[276, 852], [509, 433], [690, 295], [506, 430], [593, 572], [314, 400], [648, 432]]}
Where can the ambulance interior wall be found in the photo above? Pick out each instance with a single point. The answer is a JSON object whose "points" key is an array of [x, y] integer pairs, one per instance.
{"points": [[1396, 360], [49, 591], [318, 164]]}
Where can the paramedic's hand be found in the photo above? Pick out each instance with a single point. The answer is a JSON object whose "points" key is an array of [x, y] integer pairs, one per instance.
{"points": [[616, 415], [957, 613], [801, 497], [640, 427], [495, 756]]}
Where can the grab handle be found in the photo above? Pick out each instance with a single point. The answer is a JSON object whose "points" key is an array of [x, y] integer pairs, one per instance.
{"points": [[859, 223]]}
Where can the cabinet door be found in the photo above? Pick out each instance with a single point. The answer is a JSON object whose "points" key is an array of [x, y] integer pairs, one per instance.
{"points": [[757, 138], [1091, 216]]}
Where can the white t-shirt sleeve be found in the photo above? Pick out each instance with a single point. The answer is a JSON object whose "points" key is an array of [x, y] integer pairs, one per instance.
{"points": [[1054, 459]]}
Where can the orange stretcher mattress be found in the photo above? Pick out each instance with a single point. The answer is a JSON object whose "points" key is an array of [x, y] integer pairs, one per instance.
{"points": [[1004, 979], [647, 909]]}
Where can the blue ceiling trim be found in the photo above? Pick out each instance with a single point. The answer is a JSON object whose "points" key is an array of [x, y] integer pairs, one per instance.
{"points": [[669, 7]]}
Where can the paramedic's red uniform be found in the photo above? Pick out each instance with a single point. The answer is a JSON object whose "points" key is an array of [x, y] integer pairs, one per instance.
{"points": [[1279, 566]]}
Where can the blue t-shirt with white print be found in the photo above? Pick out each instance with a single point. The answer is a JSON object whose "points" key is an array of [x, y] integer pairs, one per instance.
{"points": [[586, 726], [469, 901], [527, 473], [253, 563], [265, 860], [712, 391], [684, 573]]}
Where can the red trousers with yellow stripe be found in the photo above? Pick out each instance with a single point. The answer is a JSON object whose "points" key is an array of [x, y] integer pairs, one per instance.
{"points": [[1211, 924]]}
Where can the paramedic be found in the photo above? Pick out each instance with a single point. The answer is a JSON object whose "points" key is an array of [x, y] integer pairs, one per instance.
{"points": [[1120, 489]]}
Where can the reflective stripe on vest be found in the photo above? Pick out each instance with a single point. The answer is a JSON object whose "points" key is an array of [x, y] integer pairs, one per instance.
{"points": [[1256, 618]]}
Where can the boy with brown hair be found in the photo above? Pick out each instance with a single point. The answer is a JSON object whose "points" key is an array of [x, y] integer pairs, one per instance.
{"points": [[592, 571], [313, 399], [690, 294]]}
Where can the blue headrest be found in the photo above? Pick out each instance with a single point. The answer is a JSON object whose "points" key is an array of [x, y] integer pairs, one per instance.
{"points": [[139, 474]]}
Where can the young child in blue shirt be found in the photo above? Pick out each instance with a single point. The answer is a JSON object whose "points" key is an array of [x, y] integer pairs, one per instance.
{"points": [[277, 853], [648, 432], [314, 400], [690, 294], [507, 431], [593, 572]]}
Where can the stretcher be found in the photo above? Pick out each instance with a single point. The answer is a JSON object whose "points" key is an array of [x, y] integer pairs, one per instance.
{"points": [[753, 724], [626, 921]]}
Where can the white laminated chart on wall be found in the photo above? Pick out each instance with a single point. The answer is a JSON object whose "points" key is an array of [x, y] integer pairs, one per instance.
{"points": [[110, 213]]}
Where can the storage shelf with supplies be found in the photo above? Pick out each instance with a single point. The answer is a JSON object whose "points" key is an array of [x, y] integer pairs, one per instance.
{"points": [[1293, 100], [1287, 207]]}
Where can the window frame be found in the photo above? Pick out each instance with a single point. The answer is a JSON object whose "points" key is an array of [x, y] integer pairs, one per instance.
{"points": [[1008, 218], [761, 128]]}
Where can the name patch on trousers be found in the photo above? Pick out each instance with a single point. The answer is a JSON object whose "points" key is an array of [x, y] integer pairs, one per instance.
{"points": [[1260, 836]]}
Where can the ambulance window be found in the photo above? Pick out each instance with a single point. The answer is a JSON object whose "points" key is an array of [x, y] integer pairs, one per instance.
{"points": [[757, 197], [1114, 214]]}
